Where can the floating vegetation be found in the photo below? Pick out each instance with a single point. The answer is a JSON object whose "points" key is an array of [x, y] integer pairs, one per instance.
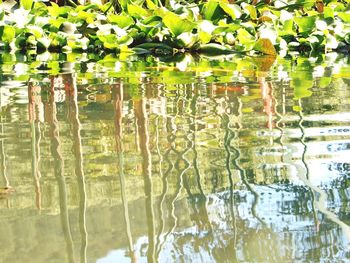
{"points": [[152, 27]]}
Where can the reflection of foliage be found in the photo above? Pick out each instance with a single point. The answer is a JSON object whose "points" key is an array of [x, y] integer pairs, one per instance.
{"points": [[201, 144]]}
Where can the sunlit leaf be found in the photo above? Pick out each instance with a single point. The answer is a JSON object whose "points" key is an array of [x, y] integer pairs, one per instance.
{"points": [[26, 4], [35, 30], [137, 11], [123, 21], [8, 33], [305, 23], [176, 24], [287, 28], [345, 16], [233, 10], [87, 16], [265, 46], [251, 10], [151, 5], [245, 37], [328, 12], [212, 11]]}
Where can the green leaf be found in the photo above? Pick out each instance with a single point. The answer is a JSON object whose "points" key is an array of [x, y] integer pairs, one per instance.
{"points": [[234, 11], [328, 12], [150, 46], [109, 41], [305, 23], [265, 46], [151, 5], [345, 16], [227, 28], [204, 37], [140, 51], [35, 30], [125, 40], [212, 11], [251, 11], [8, 33], [214, 49], [123, 21], [57, 40], [287, 28], [86, 16], [123, 4], [176, 24], [137, 11], [93, 7], [245, 37], [54, 9], [347, 38], [26, 4], [158, 48]]}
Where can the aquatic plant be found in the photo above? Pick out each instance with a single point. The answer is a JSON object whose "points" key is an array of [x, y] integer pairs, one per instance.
{"points": [[168, 27]]}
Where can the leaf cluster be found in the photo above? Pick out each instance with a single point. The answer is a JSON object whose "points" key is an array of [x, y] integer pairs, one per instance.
{"points": [[212, 27]]}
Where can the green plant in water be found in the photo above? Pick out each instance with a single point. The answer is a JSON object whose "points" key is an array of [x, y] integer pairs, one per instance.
{"points": [[168, 27]]}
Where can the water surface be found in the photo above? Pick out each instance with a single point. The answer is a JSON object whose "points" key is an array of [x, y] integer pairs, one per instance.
{"points": [[195, 160]]}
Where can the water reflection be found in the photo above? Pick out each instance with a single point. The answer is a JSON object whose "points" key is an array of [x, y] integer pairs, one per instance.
{"points": [[59, 171], [236, 166]]}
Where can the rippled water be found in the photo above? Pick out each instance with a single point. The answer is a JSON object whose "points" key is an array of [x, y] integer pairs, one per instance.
{"points": [[211, 160]]}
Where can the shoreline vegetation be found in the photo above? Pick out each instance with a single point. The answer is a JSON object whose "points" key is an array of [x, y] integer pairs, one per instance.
{"points": [[164, 28]]}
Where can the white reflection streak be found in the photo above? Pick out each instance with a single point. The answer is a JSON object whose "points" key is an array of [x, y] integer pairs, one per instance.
{"points": [[322, 200]]}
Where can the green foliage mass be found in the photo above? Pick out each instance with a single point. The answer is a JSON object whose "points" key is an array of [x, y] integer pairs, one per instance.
{"points": [[165, 28]]}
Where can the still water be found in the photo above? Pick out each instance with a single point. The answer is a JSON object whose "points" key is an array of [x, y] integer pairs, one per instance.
{"points": [[194, 160]]}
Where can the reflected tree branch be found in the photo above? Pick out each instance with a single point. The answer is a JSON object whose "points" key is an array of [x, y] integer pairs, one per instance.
{"points": [[73, 117], [193, 131], [51, 114], [118, 120], [141, 121], [35, 144], [242, 172], [320, 204]]}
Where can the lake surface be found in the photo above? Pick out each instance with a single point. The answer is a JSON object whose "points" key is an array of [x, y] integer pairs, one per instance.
{"points": [[193, 160]]}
